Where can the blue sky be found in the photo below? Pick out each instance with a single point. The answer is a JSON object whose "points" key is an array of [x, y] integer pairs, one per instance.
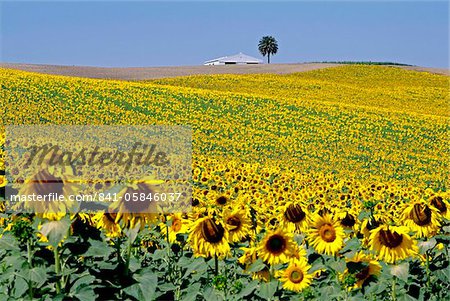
{"points": [[146, 33]]}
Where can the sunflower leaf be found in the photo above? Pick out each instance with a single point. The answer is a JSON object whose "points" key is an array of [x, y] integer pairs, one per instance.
{"points": [[145, 288], [38, 276], [445, 239], [85, 292], [401, 271], [133, 232], [20, 287], [338, 266], [355, 267], [197, 266], [257, 266], [267, 290], [56, 231], [211, 294], [192, 292], [427, 245], [8, 242], [248, 289], [98, 249], [353, 244]]}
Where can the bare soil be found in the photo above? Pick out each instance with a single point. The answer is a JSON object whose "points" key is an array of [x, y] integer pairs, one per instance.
{"points": [[142, 73]]}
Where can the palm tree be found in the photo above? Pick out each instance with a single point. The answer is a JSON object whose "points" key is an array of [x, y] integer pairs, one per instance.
{"points": [[268, 45]]}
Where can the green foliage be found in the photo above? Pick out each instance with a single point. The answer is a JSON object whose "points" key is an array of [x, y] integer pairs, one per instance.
{"points": [[363, 63], [122, 268], [22, 230]]}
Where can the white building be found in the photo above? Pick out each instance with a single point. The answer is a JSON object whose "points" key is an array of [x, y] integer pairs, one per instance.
{"points": [[237, 59]]}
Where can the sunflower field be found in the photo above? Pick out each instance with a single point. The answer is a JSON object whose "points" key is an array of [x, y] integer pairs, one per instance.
{"points": [[329, 184]]}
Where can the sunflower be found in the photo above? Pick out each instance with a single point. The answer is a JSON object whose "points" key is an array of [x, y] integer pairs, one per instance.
{"points": [[107, 222], [238, 224], [220, 199], [45, 183], [145, 209], [368, 225], [363, 267], [2, 207], [348, 220], [3, 181], [248, 258], [438, 202], [421, 218], [392, 243], [178, 225], [294, 218], [295, 277], [209, 238], [263, 275], [299, 252], [276, 247], [326, 235]]}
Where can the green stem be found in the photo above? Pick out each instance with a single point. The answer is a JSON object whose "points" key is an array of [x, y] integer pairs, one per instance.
{"points": [[167, 235], [30, 290], [216, 265], [226, 283], [57, 269], [427, 267], [168, 245], [127, 259], [117, 245], [30, 262], [271, 273], [393, 293]]}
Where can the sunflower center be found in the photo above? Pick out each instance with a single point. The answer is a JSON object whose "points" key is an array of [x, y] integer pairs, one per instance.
{"points": [[439, 204], [195, 202], [221, 200], [176, 225], [324, 211], [327, 233], [273, 221], [211, 231], [294, 213], [234, 221], [363, 274], [276, 244], [143, 204], [348, 220], [421, 215], [390, 239], [44, 183], [110, 216], [373, 224], [296, 276]]}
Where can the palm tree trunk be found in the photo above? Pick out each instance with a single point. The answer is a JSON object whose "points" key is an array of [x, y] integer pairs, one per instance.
{"points": [[268, 58]]}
